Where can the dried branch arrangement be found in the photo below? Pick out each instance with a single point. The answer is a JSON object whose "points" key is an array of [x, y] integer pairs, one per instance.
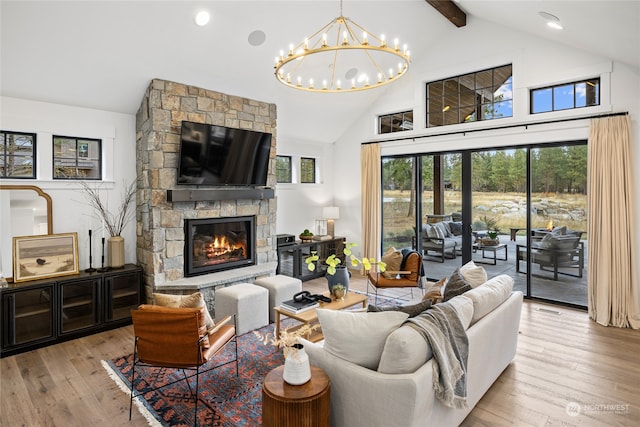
{"points": [[114, 223]]}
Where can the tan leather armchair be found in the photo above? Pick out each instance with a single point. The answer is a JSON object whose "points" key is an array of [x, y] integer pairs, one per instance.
{"points": [[409, 277], [177, 338]]}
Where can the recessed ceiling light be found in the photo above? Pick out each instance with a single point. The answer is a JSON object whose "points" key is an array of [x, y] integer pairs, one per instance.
{"points": [[552, 20], [202, 18]]}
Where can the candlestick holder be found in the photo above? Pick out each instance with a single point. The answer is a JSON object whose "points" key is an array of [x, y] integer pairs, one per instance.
{"points": [[90, 269], [102, 269]]}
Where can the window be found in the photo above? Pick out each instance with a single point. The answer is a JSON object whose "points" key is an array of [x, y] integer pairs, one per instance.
{"points": [[397, 122], [283, 169], [307, 170], [483, 95], [17, 155], [76, 158], [566, 96]]}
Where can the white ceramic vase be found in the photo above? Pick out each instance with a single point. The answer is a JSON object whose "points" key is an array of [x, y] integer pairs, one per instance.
{"points": [[296, 367]]}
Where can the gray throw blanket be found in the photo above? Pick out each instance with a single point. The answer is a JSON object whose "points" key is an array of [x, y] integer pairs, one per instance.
{"points": [[442, 329]]}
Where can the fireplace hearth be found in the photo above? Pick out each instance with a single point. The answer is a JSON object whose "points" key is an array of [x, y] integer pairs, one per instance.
{"points": [[216, 244]]}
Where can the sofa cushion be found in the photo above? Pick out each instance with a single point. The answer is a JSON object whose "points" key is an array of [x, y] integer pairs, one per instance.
{"points": [[464, 308], [194, 300], [406, 350], [456, 285], [358, 337], [412, 310], [474, 274], [393, 259], [489, 295], [435, 232]]}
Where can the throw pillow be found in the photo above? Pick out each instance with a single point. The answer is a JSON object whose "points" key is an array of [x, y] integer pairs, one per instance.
{"points": [[393, 259], [412, 310], [456, 228], [358, 337], [559, 230], [456, 285], [194, 300], [547, 241], [474, 274], [434, 292], [489, 295], [404, 352], [442, 229]]}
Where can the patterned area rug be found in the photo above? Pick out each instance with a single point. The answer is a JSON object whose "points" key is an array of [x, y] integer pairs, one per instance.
{"points": [[224, 399]]}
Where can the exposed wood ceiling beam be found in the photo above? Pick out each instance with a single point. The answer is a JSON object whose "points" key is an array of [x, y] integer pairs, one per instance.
{"points": [[451, 11]]}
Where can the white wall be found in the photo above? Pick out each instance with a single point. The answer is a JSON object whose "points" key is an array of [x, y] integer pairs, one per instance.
{"points": [[71, 212], [299, 205], [481, 45]]}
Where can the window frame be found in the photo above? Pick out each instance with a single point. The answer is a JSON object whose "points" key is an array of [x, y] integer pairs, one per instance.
{"points": [[303, 170], [4, 154], [451, 101], [574, 84], [392, 129], [289, 169], [77, 159]]}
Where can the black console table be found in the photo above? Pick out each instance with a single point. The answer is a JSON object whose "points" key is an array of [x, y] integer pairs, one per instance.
{"points": [[291, 257], [44, 312]]}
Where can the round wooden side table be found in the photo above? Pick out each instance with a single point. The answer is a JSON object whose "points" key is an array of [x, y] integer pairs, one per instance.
{"points": [[306, 405]]}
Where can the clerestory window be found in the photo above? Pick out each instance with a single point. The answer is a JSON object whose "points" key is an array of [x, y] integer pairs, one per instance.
{"points": [[482, 95]]}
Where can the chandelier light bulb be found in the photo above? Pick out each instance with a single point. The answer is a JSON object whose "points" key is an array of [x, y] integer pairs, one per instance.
{"points": [[383, 41], [324, 84], [390, 73], [310, 83], [365, 38], [299, 81], [291, 49], [379, 77], [395, 44], [324, 40], [344, 38], [306, 44], [338, 85], [353, 83]]}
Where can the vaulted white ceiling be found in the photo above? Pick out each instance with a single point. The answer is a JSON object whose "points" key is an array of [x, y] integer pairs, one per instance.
{"points": [[103, 54]]}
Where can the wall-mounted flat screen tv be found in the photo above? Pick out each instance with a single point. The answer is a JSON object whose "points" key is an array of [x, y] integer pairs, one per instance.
{"points": [[215, 156]]}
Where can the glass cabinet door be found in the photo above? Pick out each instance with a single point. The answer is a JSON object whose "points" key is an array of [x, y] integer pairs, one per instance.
{"points": [[123, 295], [27, 315], [79, 304]]}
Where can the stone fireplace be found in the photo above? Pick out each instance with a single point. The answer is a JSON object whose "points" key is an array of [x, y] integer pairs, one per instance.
{"points": [[165, 210]]}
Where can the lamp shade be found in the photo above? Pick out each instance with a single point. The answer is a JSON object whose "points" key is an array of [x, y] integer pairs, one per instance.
{"points": [[331, 212]]}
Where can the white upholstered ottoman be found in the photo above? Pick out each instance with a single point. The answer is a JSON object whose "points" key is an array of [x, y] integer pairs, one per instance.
{"points": [[281, 288], [249, 302]]}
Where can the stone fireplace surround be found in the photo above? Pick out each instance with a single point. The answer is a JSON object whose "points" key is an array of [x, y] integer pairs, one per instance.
{"points": [[162, 206]]}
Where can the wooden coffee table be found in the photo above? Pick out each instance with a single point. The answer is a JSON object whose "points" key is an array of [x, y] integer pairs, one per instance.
{"points": [[310, 317]]}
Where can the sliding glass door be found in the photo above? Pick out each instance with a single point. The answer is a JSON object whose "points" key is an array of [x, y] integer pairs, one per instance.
{"points": [[519, 211]]}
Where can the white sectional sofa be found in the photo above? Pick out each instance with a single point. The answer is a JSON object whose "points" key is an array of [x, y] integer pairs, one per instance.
{"points": [[365, 397]]}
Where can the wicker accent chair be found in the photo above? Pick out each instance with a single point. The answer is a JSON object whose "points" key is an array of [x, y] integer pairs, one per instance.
{"points": [[177, 338], [410, 275]]}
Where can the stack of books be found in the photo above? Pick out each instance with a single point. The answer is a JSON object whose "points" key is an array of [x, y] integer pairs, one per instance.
{"points": [[298, 307]]}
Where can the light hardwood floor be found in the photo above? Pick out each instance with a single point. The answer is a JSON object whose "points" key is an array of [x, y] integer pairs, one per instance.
{"points": [[562, 358]]}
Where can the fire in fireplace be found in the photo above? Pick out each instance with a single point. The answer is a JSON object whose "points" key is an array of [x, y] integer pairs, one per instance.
{"points": [[215, 244]]}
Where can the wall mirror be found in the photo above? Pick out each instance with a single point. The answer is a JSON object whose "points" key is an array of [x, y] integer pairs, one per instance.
{"points": [[25, 211]]}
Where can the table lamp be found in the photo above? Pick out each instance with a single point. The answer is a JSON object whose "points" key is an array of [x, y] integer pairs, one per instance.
{"points": [[330, 213]]}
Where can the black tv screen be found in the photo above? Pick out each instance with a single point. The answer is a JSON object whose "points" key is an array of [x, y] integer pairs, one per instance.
{"points": [[213, 155]]}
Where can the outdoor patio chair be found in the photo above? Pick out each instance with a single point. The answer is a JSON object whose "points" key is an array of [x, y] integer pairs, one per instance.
{"points": [[553, 254]]}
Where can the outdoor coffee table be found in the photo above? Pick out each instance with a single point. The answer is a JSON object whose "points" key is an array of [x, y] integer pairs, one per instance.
{"points": [[310, 317], [494, 249]]}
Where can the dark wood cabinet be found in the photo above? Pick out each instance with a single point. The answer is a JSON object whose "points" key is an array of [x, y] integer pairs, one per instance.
{"points": [[291, 257], [43, 312]]}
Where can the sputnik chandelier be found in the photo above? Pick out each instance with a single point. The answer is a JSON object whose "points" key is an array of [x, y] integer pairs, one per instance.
{"points": [[342, 57]]}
